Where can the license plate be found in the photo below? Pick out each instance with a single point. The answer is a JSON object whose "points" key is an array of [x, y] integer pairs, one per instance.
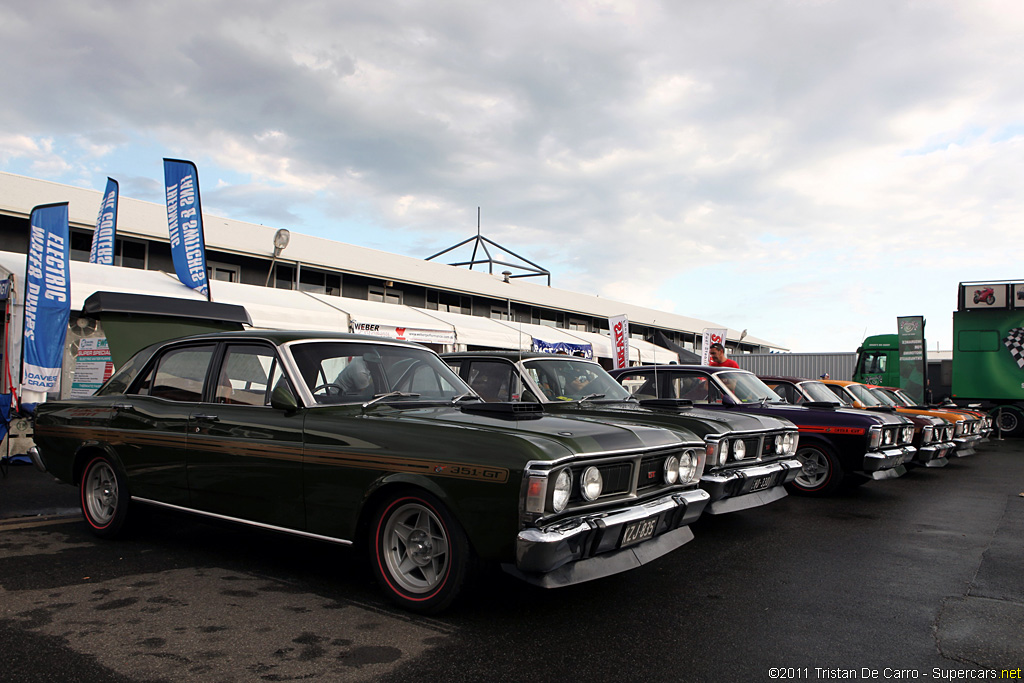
{"points": [[761, 483], [638, 531]]}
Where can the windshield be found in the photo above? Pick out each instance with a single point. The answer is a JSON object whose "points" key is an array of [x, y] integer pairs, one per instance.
{"points": [[903, 399], [570, 380], [816, 391], [884, 396], [864, 395], [747, 387], [340, 372]]}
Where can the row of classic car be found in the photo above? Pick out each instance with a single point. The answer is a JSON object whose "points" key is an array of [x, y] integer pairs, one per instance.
{"points": [[546, 464]]}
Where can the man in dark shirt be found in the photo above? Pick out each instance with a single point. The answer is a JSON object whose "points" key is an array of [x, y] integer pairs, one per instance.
{"points": [[718, 359]]}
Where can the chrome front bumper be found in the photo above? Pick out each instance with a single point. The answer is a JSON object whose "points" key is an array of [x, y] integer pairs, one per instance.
{"points": [[965, 445], [587, 547], [888, 463], [935, 454], [734, 489]]}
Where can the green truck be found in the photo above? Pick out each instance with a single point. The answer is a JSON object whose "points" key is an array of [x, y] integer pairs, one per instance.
{"points": [[987, 367]]}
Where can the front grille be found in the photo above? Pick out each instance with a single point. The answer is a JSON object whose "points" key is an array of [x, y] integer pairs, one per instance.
{"points": [[768, 446], [651, 473]]}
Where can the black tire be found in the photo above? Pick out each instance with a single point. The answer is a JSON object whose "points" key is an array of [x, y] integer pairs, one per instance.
{"points": [[821, 474], [105, 498], [990, 299], [1008, 421], [418, 552]]}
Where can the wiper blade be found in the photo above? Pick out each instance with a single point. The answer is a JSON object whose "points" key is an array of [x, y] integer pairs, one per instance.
{"points": [[464, 397], [590, 396], [390, 394]]}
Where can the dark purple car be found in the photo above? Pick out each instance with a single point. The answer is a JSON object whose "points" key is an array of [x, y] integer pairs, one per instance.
{"points": [[837, 445]]}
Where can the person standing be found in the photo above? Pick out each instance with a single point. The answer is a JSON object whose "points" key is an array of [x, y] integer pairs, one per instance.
{"points": [[718, 359]]}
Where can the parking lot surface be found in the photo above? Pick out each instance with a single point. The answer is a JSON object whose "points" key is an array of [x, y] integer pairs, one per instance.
{"points": [[917, 577]]}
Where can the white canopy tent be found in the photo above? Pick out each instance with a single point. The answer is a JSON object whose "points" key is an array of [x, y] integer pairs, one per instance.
{"points": [[390, 320]]}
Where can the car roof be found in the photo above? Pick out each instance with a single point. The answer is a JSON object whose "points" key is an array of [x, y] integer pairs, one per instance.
{"points": [[785, 378], [286, 336]]}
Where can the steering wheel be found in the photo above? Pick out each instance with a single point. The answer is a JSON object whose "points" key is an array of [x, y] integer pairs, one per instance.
{"points": [[327, 389]]}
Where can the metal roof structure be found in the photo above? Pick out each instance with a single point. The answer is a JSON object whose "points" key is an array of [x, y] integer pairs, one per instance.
{"points": [[136, 218]]}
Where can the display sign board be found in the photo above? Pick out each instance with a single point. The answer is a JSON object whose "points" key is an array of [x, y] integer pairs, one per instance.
{"points": [[984, 296], [913, 364], [93, 367]]}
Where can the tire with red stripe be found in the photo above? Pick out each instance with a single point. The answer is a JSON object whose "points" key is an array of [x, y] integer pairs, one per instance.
{"points": [[104, 495], [820, 474], [418, 551]]}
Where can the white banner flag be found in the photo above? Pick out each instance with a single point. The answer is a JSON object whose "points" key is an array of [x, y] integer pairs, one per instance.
{"points": [[619, 327], [712, 335]]}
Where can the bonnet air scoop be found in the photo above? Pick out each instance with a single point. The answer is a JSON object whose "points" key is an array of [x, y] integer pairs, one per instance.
{"points": [[511, 410], [821, 405], [671, 403]]}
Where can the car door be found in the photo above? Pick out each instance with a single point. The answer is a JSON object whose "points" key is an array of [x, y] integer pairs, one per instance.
{"points": [[150, 422], [244, 456]]}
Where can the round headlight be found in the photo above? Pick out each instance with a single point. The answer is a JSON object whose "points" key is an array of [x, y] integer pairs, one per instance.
{"points": [[780, 446], [591, 483], [563, 487], [739, 450], [908, 434], [887, 437], [671, 469], [789, 442], [687, 465]]}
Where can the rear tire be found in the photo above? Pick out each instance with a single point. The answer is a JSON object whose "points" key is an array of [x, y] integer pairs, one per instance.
{"points": [[418, 551], [821, 474], [1010, 422], [104, 496]]}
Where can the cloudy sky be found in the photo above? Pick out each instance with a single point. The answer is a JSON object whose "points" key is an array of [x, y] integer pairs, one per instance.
{"points": [[807, 170]]}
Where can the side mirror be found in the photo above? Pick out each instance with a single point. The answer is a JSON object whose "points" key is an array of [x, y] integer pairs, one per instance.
{"points": [[282, 398]]}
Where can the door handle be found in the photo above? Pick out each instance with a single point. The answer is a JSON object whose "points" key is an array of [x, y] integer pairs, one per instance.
{"points": [[207, 418], [121, 406]]}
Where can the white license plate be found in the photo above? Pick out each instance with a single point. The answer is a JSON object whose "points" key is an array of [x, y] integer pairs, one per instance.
{"points": [[638, 531]]}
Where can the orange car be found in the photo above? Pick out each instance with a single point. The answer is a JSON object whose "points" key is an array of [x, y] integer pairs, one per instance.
{"points": [[967, 429]]}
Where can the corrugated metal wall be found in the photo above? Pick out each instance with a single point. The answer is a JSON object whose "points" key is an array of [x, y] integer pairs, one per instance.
{"points": [[807, 365]]}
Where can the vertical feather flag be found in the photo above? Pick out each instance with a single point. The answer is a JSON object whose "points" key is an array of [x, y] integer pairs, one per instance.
{"points": [[185, 224], [47, 298], [102, 251]]}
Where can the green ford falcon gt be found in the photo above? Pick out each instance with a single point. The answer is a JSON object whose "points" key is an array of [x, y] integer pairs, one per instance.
{"points": [[354, 439]]}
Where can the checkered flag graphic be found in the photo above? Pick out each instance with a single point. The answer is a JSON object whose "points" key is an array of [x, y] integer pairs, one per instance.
{"points": [[1015, 343]]}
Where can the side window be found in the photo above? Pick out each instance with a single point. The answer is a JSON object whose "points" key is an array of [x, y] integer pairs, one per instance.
{"points": [[787, 392], [493, 380], [874, 362], [694, 388], [247, 375], [837, 390], [179, 374], [641, 386]]}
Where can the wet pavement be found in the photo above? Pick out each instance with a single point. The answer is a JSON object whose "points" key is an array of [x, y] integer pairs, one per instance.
{"points": [[917, 577]]}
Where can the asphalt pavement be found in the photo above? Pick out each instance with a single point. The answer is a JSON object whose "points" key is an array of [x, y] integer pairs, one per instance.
{"points": [[918, 577]]}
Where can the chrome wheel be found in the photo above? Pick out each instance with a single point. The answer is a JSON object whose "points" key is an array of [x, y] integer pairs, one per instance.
{"points": [[100, 493], [416, 548], [815, 468]]}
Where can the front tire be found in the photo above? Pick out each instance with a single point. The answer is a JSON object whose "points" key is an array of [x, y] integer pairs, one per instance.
{"points": [[104, 496], [1008, 421], [418, 551], [820, 474]]}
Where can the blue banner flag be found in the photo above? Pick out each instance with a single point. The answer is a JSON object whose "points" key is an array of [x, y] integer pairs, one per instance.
{"points": [[102, 251], [185, 224], [583, 350], [47, 297]]}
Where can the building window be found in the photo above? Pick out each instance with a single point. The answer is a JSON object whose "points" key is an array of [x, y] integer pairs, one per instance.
{"points": [[284, 276], [447, 301], [499, 313], [128, 253], [548, 318], [221, 272], [578, 325], [387, 295], [319, 281]]}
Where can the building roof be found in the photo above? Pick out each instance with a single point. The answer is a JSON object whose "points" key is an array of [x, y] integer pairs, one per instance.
{"points": [[18, 194]]}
